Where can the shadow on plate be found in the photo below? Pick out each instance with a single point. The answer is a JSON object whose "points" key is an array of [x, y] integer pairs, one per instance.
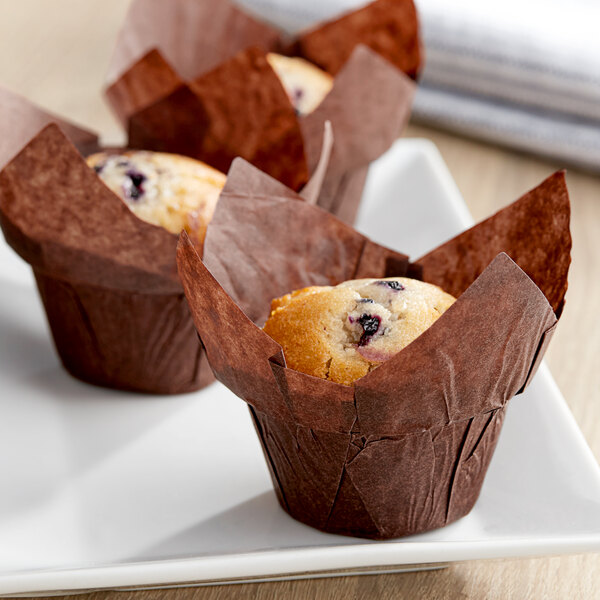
{"points": [[257, 524], [56, 426]]}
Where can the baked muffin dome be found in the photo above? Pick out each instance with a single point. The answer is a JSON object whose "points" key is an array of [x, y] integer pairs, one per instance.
{"points": [[172, 191], [341, 333], [305, 84]]}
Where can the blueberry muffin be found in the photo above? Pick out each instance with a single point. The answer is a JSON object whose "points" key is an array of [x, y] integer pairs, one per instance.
{"points": [[341, 333], [305, 84], [172, 191]]}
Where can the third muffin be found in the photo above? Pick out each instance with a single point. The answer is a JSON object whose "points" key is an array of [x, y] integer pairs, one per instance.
{"points": [[305, 84]]}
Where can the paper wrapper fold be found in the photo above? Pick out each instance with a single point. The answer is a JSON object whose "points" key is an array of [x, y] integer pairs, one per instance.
{"points": [[194, 35], [20, 120], [389, 27], [239, 108], [535, 228], [108, 280], [406, 448], [191, 77], [368, 107]]}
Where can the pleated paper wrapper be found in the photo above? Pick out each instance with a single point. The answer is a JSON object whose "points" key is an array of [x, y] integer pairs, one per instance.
{"points": [[406, 448], [191, 77]]}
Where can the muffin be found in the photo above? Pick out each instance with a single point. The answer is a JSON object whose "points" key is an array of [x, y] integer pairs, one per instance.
{"points": [[107, 279], [405, 448], [305, 84], [342, 333], [171, 191]]}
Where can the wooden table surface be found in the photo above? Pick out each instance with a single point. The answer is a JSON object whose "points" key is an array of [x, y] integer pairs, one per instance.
{"points": [[56, 53]]}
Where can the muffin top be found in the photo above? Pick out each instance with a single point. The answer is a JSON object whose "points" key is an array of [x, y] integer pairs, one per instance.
{"points": [[172, 191], [342, 333], [305, 84]]}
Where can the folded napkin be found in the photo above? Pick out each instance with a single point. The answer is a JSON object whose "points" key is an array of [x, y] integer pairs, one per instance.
{"points": [[521, 73], [524, 74]]}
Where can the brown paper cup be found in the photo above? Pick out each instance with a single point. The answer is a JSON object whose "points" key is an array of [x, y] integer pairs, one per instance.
{"points": [[213, 96], [383, 487], [406, 448], [107, 280], [119, 339]]}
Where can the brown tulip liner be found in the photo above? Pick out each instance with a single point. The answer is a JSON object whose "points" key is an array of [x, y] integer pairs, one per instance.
{"points": [[108, 280], [20, 120], [191, 77], [405, 449]]}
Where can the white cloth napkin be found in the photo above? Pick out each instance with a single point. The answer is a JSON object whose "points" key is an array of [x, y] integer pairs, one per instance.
{"points": [[525, 73]]}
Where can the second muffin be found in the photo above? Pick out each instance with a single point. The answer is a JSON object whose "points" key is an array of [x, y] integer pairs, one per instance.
{"points": [[168, 190], [341, 333]]}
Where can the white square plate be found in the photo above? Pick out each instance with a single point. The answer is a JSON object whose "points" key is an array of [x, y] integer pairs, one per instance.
{"points": [[105, 489]]}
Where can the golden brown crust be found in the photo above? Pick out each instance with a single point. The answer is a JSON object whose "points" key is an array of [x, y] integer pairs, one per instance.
{"points": [[285, 300]]}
